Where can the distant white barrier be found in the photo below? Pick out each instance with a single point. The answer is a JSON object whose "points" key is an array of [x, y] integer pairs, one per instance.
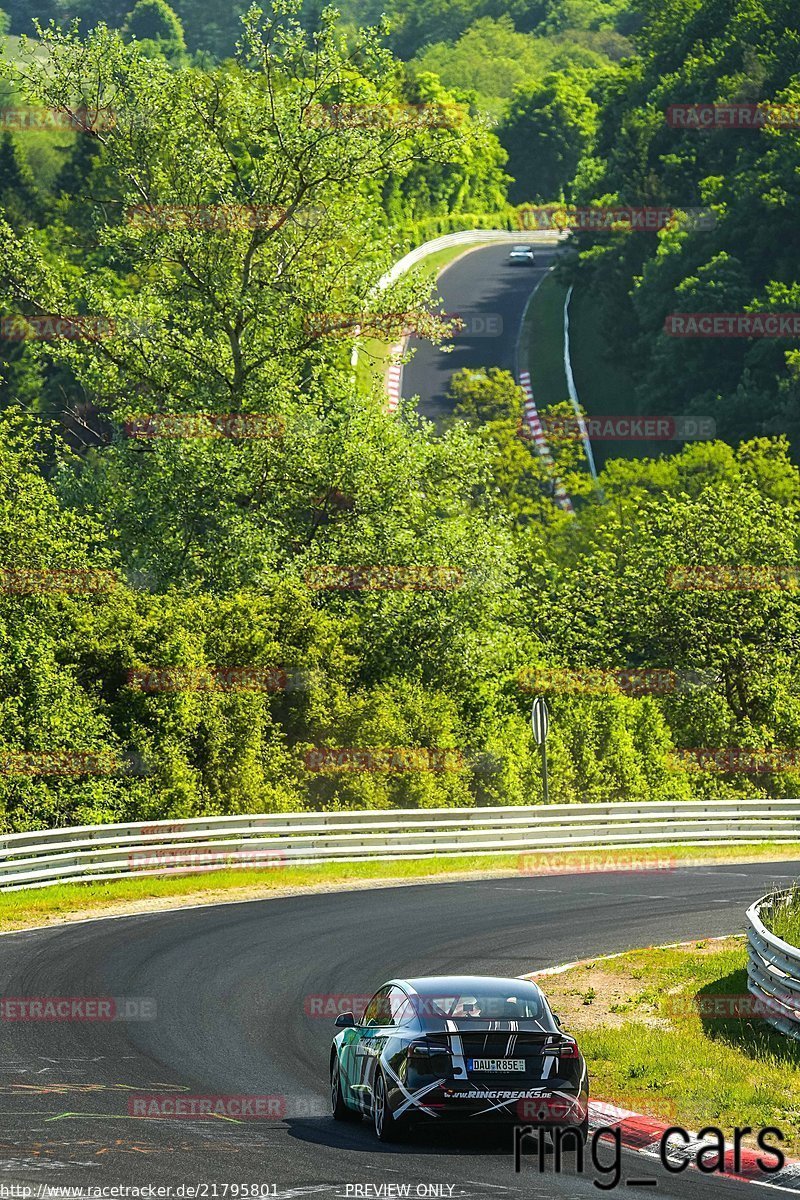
{"points": [[155, 848], [464, 237], [573, 391]]}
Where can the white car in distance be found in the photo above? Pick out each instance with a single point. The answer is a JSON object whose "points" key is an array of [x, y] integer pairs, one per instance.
{"points": [[522, 256]]}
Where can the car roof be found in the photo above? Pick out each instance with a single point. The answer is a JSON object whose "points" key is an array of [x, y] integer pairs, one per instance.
{"points": [[521, 247], [466, 984]]}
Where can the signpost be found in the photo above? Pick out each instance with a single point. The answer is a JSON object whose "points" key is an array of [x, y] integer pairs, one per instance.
{"points": [[540, 724]]}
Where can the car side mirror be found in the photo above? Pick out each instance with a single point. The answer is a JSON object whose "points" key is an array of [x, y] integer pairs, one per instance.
{"points": [[557, 1019], [345, 1021]]}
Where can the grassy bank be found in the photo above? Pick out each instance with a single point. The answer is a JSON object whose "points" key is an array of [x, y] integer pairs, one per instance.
{"points": [[647, 1025], [784, 919], [604, 387], [602, 383], [544, 337], [40, 906]]}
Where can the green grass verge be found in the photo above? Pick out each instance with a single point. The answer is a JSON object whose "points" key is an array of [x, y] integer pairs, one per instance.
{"points": [[372, 364], [651, 1048], [39, 905], [784, 919], [10, 48], [544, 337], [604, 386], [436, 262]]}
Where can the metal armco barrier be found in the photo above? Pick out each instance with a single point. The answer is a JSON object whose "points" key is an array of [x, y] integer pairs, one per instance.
{"points": [[42, 858], [773, 970], [465, 237]]}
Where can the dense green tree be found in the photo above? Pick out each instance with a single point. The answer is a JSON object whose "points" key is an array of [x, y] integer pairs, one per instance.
{"points": [[155, 25], [722, 51], [665, 575], [212, 224], [494, 59], [19, 199], [483, 396], [21, 13], [548, 129]]}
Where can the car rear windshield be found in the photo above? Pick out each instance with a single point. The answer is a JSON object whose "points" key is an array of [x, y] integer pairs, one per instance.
{"points": [[480, 1005]]}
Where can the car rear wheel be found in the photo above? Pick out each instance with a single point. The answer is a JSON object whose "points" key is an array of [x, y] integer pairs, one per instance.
{"points": [[339, 1109], [387, 1127]]}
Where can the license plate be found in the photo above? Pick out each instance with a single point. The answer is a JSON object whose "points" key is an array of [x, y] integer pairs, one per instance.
{"points": [[497, 1064]]}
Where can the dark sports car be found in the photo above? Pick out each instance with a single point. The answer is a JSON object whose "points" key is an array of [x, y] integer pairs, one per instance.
{"points": [[457, 1048]]}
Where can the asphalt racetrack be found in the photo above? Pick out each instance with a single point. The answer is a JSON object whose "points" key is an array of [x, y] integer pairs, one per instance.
{"points": [[498, 293], [233, 986]]}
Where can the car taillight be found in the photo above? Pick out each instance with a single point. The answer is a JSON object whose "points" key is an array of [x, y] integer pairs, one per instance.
{"points": [[422, 1050], [425, 1050], [567, 1049]]}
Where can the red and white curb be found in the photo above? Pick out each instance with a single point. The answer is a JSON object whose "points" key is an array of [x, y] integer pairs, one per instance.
{"points": [[394, 377], [644, 1135], [535, 426], [394, 374]]}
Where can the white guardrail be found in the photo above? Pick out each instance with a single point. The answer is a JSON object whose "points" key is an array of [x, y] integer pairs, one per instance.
{"points": [[45, 857], [773, 969], [465, 237]]}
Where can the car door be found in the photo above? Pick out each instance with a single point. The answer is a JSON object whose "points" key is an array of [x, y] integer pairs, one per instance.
{"points": [[363, 1051]]}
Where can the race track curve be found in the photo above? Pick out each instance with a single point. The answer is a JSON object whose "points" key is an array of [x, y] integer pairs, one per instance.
{"points": [[230, 984], [490, 296]]}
